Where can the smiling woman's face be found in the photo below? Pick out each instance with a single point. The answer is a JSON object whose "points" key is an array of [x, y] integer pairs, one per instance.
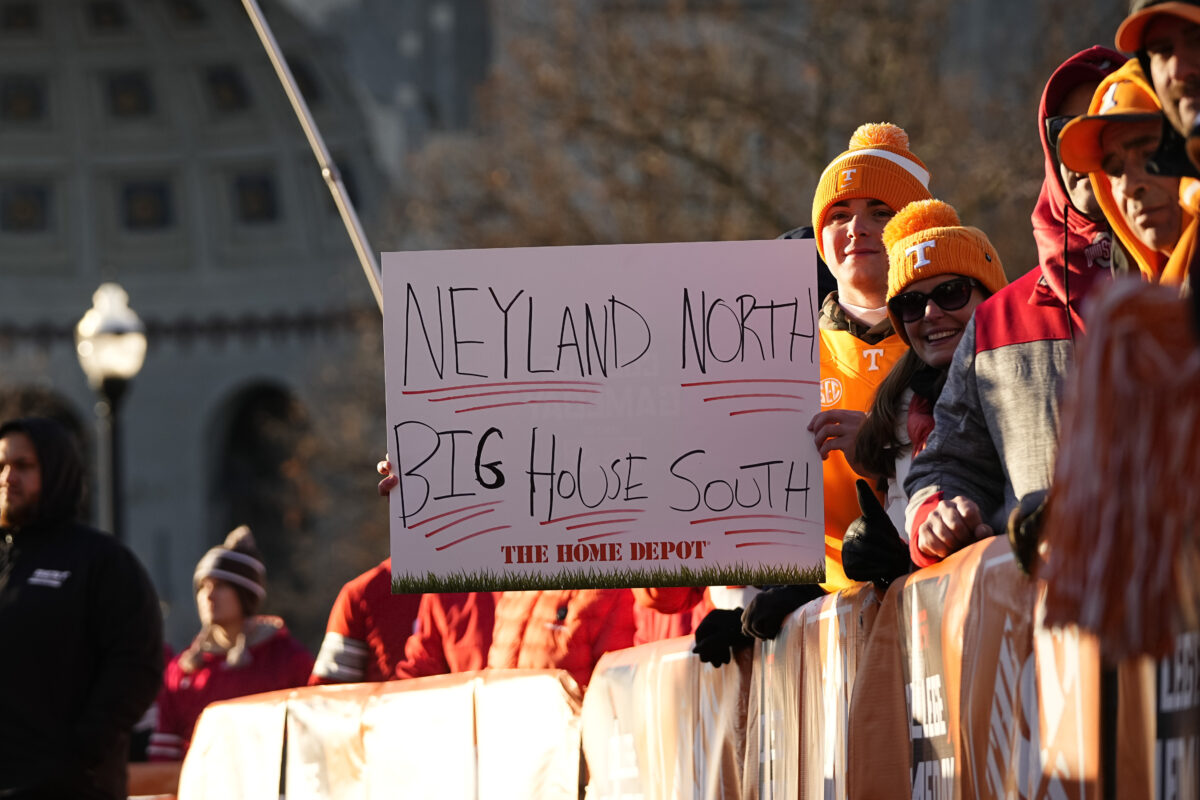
{"points": [[936, 334]]}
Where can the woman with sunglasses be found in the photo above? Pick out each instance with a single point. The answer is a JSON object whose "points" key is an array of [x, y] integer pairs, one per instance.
{"points": [[938, 272]]}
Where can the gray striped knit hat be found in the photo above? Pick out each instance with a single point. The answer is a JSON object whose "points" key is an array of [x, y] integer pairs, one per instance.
{"points": [[237, 562]]}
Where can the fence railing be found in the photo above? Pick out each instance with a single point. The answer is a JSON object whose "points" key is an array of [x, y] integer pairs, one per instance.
{"points": [[944, 686]]}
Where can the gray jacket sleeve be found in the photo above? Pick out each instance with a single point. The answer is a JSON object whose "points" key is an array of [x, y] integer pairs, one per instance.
{"points": [[960, 456]]}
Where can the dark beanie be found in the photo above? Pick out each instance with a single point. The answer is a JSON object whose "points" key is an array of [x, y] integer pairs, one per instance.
{"points": [[238, 563]]}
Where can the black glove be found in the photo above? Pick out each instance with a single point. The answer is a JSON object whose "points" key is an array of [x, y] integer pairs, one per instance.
{"points": [[768, 609], [872, 550], [1025, 527], [719, 634]]}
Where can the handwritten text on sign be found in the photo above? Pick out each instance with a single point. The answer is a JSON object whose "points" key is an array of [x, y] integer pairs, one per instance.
{"points": [[621, 410]]}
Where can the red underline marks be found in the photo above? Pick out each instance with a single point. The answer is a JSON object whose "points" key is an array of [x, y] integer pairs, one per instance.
{"points": [[593, 513], [507, 391], [526, 403], [742, 396], [472, 536], [749, 380], [416, 525], [500, 384], [764, 530], [765, 411], [457, 521], [752, 516], [601, 522], [583, 539], [766, 544]]}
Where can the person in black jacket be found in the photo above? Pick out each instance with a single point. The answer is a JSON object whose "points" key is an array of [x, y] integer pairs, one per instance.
{"points": [[80, 624]]}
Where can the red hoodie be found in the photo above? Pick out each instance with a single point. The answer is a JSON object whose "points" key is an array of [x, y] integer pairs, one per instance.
{"points": [[996, 422], [1061, 231]]}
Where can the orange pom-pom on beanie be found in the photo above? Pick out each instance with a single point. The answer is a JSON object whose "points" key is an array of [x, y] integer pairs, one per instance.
{"points": [[878, 166]]}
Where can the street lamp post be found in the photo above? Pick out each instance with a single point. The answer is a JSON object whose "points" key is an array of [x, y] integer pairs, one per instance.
{"points": [[111, 343]]}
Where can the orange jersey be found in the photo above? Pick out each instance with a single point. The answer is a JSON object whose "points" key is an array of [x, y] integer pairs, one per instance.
{"points": [[851, 370]]}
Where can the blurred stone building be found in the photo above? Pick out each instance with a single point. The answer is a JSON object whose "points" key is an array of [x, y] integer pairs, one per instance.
{"points": [[149, 142]]}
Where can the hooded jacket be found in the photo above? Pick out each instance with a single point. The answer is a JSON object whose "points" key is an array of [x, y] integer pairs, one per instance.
{"points": [[82, 634], [565, 629], [1154, 266], [205, 673], [996, 421], [453, 634]]}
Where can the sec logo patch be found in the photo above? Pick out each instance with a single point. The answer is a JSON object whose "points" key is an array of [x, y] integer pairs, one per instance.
{"points": [[831, 391]]}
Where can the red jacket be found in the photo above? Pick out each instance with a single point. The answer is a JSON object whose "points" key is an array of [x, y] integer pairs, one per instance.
{"points": [[561, 629], [367, 629], [198, 676], [996, 421], [454, 633], [667, 612]]}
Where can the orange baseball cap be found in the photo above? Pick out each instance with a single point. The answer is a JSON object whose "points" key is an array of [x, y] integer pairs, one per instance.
{"points": [[1122, 101], [1129, 35]]}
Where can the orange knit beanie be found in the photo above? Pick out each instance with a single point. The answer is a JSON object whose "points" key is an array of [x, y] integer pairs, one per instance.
{"points": [[878, 166], [926, 239]]}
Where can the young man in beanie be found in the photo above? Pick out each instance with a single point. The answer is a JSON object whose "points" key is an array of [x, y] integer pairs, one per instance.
{"points": [[80, 626], [996, 422], [857, 195], [236, 652]]}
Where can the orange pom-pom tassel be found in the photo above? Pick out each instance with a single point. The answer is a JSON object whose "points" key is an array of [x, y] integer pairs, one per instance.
{"points": [[879, 134], [920, 215]]}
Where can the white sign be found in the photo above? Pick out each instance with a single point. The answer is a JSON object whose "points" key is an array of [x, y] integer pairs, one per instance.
{"points": [[625, 415]]}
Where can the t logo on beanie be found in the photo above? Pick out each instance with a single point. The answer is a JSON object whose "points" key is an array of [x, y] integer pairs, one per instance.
{"points": [[910, 238], [919, 249], [1109, 101], [877, 166]]}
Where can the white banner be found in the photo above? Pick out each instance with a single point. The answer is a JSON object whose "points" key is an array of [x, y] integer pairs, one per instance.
{"points": [[624, 415]]}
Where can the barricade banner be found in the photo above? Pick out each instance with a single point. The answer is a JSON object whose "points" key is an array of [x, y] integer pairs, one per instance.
{"points": [[801, 689], [1157, 726], [904, 712], [236, 750], [1029, 695], [772, 768], [325, 756], [659, 724], [488, 735], [608, 416], [527, 723], [1065, 758], [1177, 721], [419, 738], [878, 748], [931, 654], [836, 628], [615, 735], [989, 704]]}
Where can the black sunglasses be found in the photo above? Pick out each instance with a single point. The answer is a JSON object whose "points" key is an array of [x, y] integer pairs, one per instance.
{"points": [[1054, 126], [949, 296]]}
